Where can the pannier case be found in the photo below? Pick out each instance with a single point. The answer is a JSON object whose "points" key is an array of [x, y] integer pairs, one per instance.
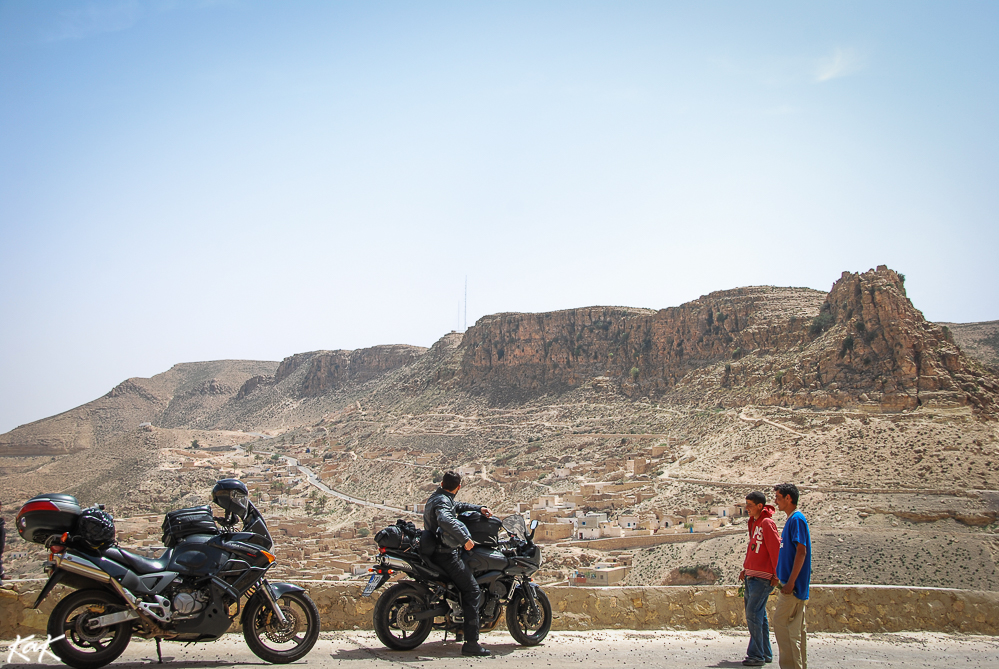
{"points": [[45, 515], [182, 523]]}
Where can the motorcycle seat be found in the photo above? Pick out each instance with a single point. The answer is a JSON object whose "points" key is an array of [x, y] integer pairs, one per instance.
{"points": [[138, 563]]}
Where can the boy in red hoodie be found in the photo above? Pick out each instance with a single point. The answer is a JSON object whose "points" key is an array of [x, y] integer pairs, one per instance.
{"points": [[759, 569]]}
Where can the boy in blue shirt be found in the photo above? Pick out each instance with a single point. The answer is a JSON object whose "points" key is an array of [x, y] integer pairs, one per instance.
{"points": [[794, 571]]}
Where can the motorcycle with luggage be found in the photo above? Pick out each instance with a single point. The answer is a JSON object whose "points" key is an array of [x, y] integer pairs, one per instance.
{"points": [[210, 575], [410, 609]]}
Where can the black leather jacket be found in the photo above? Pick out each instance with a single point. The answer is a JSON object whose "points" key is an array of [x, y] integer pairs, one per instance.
{"points": [[440, 516]]}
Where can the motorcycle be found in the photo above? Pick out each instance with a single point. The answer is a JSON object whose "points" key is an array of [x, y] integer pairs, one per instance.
{"points": [[408, 611], [209, 575]]}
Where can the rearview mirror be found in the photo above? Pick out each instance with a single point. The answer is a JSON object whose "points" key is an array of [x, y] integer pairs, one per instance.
{"points": [[534, 524]]}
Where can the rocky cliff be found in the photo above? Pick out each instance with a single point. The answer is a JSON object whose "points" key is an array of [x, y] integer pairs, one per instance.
{"points": [[329, 371], [863, 343]]}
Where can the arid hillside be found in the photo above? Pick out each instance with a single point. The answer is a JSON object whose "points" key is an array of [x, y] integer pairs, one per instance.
{"points": [[886, 424], [978, 340]]}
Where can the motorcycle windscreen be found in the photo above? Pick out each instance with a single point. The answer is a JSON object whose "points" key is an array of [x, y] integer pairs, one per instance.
{"points": [[515, 525]]}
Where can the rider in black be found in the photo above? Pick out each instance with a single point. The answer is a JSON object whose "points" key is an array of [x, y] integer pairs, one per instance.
{"points": [[440, 517]]}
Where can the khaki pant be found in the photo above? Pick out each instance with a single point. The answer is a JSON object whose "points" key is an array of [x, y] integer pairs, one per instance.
{"points": [[789, 628]]}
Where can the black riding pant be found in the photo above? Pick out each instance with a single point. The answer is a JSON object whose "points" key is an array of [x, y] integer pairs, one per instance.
{"points": [[462, 577]]}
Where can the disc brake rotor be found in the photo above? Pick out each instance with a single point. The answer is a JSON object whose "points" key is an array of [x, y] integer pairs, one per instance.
{"points": [[404, 618], [84, 630], [279, 633]]}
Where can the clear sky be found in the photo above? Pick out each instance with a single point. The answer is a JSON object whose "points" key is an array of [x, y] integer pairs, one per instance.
{"points": [[184, 181]]}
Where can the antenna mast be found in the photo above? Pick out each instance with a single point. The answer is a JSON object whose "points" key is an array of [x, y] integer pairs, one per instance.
{"points": [[466, 303]]}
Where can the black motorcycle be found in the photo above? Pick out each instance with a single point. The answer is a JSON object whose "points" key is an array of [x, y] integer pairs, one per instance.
{"points": [[406, 613], [209, 575]]}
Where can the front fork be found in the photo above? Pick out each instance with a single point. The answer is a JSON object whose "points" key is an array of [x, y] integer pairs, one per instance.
{"points": [[532, 601], [273, 602]]}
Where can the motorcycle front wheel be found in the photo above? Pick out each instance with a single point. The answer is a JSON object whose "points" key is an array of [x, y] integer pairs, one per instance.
{"points": [[393, 618], [84, 645], [279, 643], [525, 629]]}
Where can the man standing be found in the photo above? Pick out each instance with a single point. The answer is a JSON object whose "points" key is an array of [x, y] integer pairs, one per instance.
{"points": [[759, 569], [440, 517], [794, 570]]}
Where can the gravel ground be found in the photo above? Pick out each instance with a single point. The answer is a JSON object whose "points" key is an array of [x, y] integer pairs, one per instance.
{"points": [[597, 649]]}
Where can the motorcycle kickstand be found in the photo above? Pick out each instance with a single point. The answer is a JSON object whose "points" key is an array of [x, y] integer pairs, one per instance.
{"points": [[159, 653]]}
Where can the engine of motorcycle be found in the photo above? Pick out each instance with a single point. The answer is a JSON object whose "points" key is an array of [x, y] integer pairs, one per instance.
{"points": [[189, 602], [489, 614]]}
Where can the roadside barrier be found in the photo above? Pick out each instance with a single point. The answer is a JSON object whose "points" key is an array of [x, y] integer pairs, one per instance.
{"points": [[831, 608]]}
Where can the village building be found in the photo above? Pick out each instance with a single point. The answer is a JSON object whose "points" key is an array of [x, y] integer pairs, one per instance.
{"points": [[554, 531], [636, 465], [588, 526], [602, 574]]}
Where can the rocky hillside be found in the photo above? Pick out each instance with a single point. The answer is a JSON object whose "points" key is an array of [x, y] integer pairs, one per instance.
{"points": [[862, 344], [881, 418], [978, 340], [182, 394]]}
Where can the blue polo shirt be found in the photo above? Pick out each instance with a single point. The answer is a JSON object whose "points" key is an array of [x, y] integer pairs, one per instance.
{"points": [[795, 532]]}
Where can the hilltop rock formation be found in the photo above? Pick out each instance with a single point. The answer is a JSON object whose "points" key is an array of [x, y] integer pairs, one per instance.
{"points": [[329, 371], [863, 343]]}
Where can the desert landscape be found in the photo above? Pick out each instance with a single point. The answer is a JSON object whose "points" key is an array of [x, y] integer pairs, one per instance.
{"points": [[633, 435]]}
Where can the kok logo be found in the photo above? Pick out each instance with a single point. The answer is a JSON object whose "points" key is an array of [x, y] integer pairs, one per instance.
{"points": [[20, 649]]}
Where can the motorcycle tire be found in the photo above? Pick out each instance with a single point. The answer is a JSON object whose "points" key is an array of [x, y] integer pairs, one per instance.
{"points": [[276, 643], [82, 647], [393, 626], [518, 613]]}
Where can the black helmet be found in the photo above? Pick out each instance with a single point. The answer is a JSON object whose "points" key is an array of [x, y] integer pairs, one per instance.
{"points": [[96, 527], [232, 496]]}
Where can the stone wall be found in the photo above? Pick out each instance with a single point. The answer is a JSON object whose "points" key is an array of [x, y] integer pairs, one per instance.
{"points": [[832, 608], [618, 543]]}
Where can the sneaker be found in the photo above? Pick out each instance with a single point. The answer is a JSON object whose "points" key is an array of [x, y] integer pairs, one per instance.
{"points": [[473, 649], [752, 663]]}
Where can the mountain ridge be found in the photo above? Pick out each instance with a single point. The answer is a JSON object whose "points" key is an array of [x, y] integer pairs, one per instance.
{"points": [[861, 345]]}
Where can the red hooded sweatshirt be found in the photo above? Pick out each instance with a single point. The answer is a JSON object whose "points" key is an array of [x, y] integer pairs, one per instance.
{"points": [[764, 544]]}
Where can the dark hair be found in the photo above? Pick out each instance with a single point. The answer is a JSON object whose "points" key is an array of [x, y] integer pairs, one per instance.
{"points": [[788, 490], [451, 480], [756, 497]]}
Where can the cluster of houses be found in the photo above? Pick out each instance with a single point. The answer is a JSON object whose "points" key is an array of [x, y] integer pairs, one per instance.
{"points": [[573, 516]]}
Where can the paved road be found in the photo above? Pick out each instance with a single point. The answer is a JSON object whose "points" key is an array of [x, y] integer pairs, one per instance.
{"points": [[312, 479], [599, 649]]}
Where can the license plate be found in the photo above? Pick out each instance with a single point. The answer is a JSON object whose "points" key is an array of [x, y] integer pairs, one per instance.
{"points": [[372, 584]]}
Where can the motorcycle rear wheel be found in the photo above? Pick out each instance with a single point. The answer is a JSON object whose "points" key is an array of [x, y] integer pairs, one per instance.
{"points": [[393, 618], [83, 647], [276, 643], [525, 631]]}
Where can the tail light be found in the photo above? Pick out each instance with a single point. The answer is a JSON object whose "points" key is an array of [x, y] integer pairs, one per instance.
{"points": [[41, 505]]}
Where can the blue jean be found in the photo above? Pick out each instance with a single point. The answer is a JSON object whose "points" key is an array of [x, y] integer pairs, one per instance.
{"points": [[757, 592]]}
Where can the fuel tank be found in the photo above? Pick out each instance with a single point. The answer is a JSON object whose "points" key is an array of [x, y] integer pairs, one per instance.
{"points": [[197, 556], [481, 559]]}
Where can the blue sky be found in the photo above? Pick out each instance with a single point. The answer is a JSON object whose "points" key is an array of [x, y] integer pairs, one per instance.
{"points": [[186, 181]]}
